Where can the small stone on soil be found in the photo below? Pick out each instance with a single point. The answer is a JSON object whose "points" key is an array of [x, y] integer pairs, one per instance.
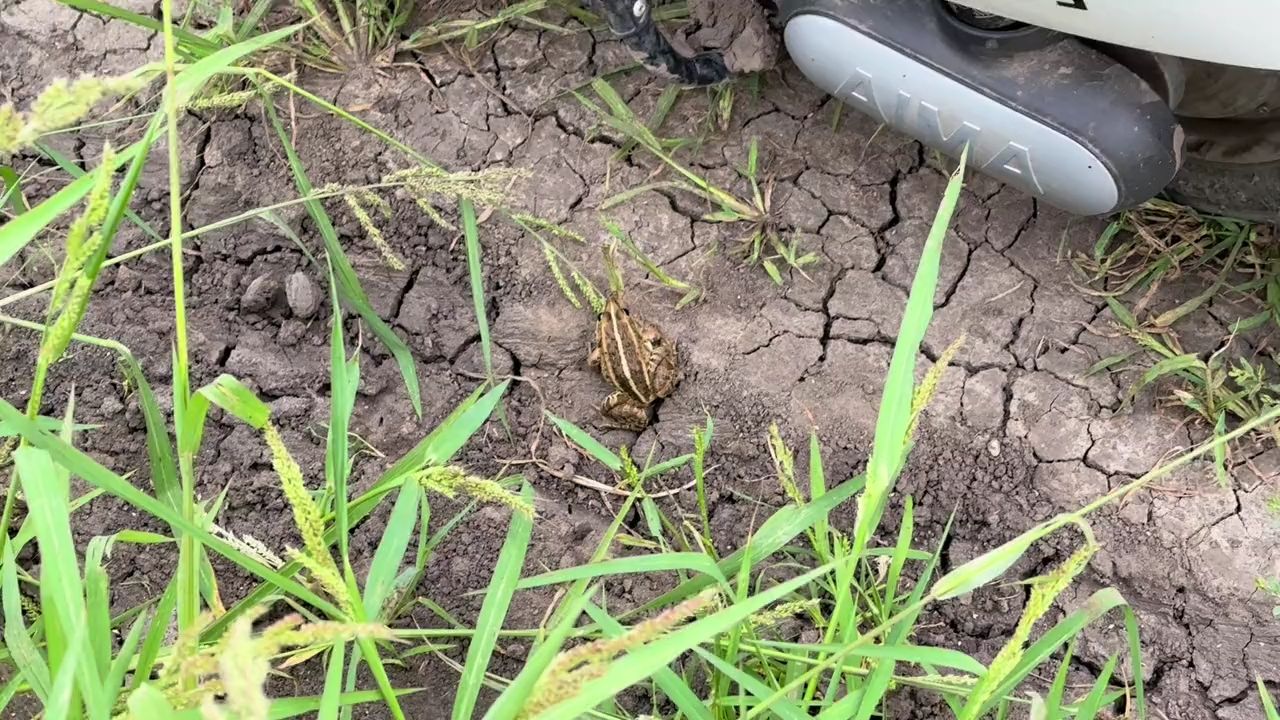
{"points": [[261, 293], [303, 295]]}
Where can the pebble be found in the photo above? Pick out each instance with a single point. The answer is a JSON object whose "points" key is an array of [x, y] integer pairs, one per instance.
{"points": [[303, 296], [993, 447], [260, 294]]}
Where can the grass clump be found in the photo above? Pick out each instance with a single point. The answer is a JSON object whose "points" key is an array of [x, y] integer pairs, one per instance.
{"points": [[1162, 242], [764, 244]]}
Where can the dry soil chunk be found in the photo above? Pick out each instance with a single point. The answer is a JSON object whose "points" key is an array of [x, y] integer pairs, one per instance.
{"points": [[437, 313], [868, 204], [1134, 442], [1071, 484], [1051, 415], [992, 298], [300, 370], [983, 402], [862, 296], [546, 336]]}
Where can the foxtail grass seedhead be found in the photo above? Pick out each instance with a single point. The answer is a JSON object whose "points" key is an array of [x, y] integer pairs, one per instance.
{"points": [[315, 555], [452, 480], [75, 280], [929, 386], [358, 202], [63, 104], [484, 188], [571, 669], [784, 464], [1044, 591], [782, 612], [553, 264], [242, 670], [234, 668]]}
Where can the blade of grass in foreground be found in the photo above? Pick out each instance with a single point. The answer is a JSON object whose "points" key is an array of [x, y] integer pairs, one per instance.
{"points": [[1268, 705], [97, 475], [893, 425], [348, 283], [675, 688], [471, 232], [497, 598], [436, 448]]}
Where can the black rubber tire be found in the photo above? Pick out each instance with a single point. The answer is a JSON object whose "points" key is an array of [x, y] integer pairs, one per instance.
{"points": [[1244, 192]]}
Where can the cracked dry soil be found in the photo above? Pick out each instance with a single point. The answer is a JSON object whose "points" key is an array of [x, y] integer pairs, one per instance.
{"points": [[1015, 434]]}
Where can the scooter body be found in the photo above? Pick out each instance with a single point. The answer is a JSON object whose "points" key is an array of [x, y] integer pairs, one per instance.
{"points": [[1230, 32], [1093, 106]]}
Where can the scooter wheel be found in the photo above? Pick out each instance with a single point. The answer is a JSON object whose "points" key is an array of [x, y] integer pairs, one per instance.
{"points": [[1245, 192], [1231, 117]]}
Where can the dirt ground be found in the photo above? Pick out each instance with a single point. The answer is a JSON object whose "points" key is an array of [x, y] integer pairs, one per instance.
{"points": [[1015, 434]]}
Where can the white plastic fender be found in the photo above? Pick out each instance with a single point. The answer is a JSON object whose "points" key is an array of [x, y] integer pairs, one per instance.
{"points": [[1231, 32]]}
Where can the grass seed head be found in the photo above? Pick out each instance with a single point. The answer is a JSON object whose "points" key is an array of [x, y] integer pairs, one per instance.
{"points": [[923, 394], [452, 480], [571, 669], [61, 105]]}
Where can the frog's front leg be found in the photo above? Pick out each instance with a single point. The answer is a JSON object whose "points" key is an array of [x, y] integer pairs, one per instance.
{"points": [[626, 411]]}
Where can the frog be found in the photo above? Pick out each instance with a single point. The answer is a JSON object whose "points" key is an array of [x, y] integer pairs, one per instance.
{"points": [[637, 359]]}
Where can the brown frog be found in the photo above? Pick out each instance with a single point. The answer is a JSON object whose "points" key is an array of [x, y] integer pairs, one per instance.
{"points": [[636, 358]]}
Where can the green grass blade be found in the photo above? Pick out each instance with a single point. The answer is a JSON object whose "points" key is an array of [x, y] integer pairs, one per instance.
{"points": [[497, 600], [149, 702], [1167, 366], [156, 631], [642, 662], [668, 561], [1268, 704], [1135, 660], [330, 700], [163, 465], [894, 421], [61, 586], [471, 232], [27, 660], [1099, 604], [906, 530], [783, 709], [114, 681], [583, 439], [1092, 704], [98, 604], [922, 655], [436, 448], [62, 696], [774, 533], [449, 436], [233, 396], [344, 381], [285, 708], [349, 288], [369, 651], [12, 196], [984, 568], [391, 549]]}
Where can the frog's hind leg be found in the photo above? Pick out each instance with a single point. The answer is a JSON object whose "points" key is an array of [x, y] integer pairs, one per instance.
{"points": [[626, 412]]}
